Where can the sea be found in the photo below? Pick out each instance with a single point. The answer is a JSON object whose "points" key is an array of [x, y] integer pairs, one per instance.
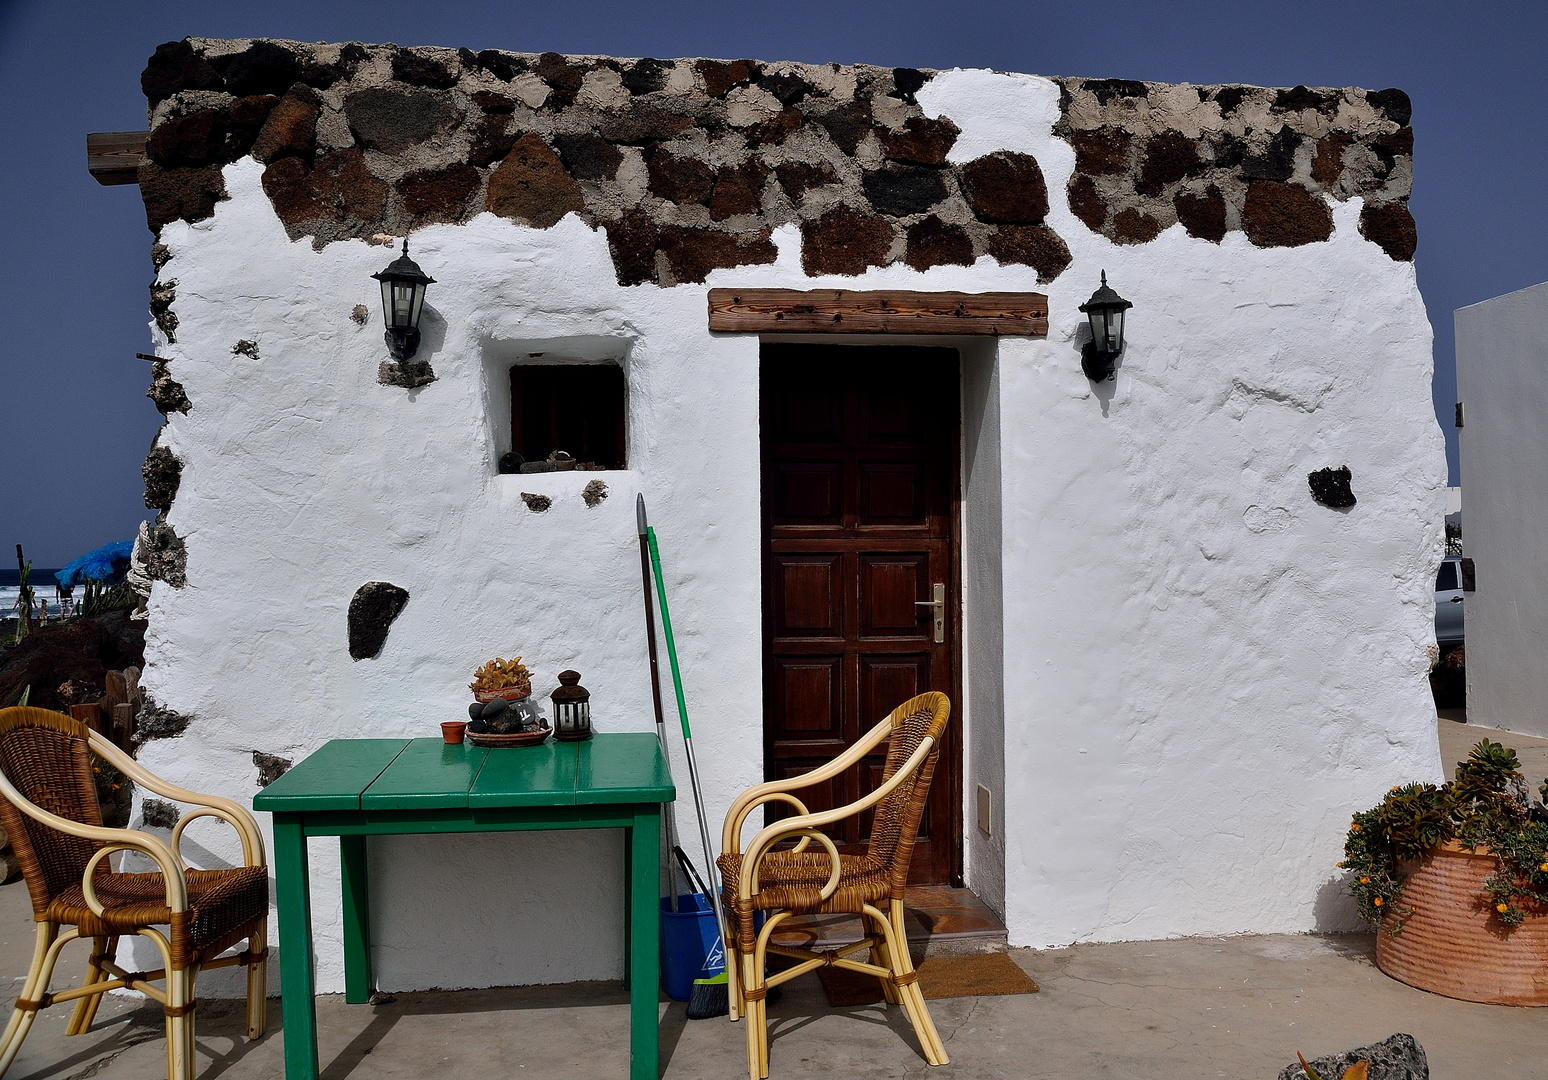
{"points": [[42, 589]]}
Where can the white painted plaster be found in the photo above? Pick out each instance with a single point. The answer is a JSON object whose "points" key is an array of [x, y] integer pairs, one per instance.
{"points": [[1181, 673], [1502, 379]]}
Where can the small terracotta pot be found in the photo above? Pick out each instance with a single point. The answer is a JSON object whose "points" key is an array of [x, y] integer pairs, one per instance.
{"points": [[451, 731], [510, 693], [1454, 943]]}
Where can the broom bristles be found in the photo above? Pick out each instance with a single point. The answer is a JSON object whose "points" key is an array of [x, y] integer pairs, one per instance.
{"points": [[711, 997]]}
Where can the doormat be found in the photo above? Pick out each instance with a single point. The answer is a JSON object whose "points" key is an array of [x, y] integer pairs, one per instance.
{"points": [[979, 975]]}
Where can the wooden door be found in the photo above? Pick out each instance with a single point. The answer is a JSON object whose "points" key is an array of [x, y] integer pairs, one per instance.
{"points": [[860, 450]]}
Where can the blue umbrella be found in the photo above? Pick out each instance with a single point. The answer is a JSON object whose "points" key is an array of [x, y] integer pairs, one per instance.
{"points": [[107, 564]]}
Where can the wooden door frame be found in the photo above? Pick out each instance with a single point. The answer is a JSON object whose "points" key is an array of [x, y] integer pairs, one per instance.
{"points": [[955, 624]]}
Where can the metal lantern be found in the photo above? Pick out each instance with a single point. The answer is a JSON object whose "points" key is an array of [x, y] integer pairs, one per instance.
{"points": [[403, 295], [1105, 312], [572, 708]]}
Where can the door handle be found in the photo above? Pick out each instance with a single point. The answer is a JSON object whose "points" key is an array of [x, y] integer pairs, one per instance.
{"points": [[1456, 599], [937, 608]]}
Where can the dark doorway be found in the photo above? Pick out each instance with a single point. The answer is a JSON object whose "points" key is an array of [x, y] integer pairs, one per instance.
{"points": [[860, 487]]}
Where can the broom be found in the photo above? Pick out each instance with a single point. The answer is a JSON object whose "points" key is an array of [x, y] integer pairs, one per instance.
{"points": [[711, 997], [670, 839]]}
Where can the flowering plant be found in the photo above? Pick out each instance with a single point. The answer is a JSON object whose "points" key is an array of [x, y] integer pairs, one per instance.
{"points": [[1486, 805]]}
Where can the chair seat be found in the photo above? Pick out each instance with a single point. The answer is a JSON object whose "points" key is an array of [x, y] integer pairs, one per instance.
{"points": [[223, 906], [793, 882]]}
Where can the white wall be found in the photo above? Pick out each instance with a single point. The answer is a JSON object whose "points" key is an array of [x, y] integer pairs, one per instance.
{"points": [[1181, 673], [1502, 379]]}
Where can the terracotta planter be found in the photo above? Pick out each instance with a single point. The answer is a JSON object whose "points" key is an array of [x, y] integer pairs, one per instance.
{"points": [[1454, 943], [510, 693]]}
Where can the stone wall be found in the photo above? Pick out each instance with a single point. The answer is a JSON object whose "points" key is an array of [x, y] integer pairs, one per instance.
{"points": [[689, 165]]}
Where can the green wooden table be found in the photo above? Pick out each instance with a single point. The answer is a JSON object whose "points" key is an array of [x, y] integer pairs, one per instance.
{"points": [[355, 788]]}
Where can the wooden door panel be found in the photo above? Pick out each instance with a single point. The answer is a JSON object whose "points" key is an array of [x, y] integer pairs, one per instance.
{"points": [[892, 493], [808, 493], [890, 679], [890, 586], [809, 700], [807, 596], [859, 448]]}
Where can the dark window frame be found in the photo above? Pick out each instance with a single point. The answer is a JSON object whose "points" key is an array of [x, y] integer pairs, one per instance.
{"points": [[581, 404]]}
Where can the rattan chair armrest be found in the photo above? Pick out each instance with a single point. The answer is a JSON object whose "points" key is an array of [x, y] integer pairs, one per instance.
{"points": [[787, 827], [734, 828], [163, 856], [236, 815], [731, 833]]}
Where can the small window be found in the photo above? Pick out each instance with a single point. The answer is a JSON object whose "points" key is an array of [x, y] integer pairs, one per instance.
{"points": [[577, 408], [1446, 580]]}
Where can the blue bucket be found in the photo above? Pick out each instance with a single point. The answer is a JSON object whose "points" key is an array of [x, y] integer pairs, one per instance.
{"points": [[690, 945]]}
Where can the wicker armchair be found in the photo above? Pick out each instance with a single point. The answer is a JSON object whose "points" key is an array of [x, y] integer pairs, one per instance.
{"points": [[50, 811], [801, 882]]}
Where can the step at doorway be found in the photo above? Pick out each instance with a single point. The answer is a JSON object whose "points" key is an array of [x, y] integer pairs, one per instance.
{"points": [[942, 921]]}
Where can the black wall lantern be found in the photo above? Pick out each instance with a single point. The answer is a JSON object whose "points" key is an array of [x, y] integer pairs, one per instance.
{"points": [[1105, 311], [403, 295]]}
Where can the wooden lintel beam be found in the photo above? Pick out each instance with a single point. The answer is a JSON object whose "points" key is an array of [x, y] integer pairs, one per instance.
{"points": [[114, 157], [881, 311]]}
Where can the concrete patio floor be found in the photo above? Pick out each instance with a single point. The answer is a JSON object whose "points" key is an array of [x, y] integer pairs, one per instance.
{"points": [[1201, 1007]]}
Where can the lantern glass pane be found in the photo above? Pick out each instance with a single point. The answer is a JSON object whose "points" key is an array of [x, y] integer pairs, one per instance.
{"points": [[1098, 330], [402, 304], [419, 300], [387, 301], [1115, 330]]}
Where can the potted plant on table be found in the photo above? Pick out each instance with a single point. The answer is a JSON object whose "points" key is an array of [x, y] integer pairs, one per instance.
{"points": [[501, 715], [1456, 878], [508, 679]]}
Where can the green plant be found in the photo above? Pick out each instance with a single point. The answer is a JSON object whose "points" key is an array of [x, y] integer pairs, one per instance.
{"points": [[1486, 805], [23, 599], [99, 597]]}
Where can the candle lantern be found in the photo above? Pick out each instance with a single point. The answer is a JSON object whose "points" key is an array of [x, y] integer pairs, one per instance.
{"points": [[572, 708]]}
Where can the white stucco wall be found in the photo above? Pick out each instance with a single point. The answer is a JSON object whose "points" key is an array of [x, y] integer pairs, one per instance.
{"points": [[1181, 674], [1502, 379]]}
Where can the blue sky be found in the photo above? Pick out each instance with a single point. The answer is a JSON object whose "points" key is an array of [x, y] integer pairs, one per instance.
{"points": [[76, 425]]}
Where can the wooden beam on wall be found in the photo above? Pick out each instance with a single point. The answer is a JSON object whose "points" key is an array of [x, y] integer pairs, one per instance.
{"points": [[881, 311], [114, 157]]}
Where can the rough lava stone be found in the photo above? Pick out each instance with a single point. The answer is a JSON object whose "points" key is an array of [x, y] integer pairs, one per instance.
{"points": [[1204, 216], [1392, 227], [1168, 157], [647, 76], [1397, 1057], [639, 125], [395, 119], [1006, 188], [1036, 246], [799, 177], [692, 253], [588, 156], [162, 473], [1330, 487], [1277, 162], [1394, 103], [738, 189], [681, 180], [922, 141], [531, 185], [719, 78], [901, 190], [291, 127], [176, 66], [844, 241], [847, 125], [633, 240], [1284, 215], [174, 194], [1132, 226], [439, 194], [932, 242], [1086, 202], [420, 70], [1102, 151], [339, 187], [371, 612]]}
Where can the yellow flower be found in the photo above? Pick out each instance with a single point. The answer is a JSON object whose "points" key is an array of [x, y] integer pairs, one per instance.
{"points": [[1502, 908], [1355, 827], [1377, 901], [1365, 881], [1544, 868], [1394, 787]]}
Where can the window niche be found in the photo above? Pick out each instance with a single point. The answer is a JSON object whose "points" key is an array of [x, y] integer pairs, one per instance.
{"points": [[574, 408]]}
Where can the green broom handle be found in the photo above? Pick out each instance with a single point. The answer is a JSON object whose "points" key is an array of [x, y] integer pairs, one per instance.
{"points": [[666, 627], [693, 766]]}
